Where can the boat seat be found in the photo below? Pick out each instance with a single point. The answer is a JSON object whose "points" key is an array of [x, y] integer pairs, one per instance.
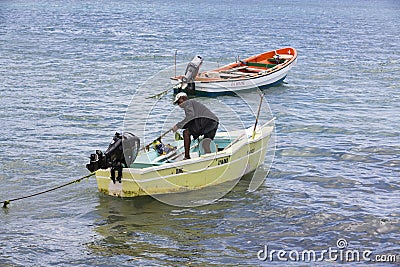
{"points": [[260, 64], [234, 69], [254, 70], [285, 56], [276, 60]]}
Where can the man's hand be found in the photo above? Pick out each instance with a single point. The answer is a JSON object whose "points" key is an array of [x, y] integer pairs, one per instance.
{"points": [[175, 128]]}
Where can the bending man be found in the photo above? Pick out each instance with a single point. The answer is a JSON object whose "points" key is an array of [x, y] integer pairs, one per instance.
{"points": [[199, 120]]}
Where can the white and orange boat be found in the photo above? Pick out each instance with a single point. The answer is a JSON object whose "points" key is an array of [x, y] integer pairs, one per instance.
{"points": [[259, 71]]}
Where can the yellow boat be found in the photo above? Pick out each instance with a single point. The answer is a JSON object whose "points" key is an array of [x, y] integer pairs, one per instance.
{"points": [[235, 154]]}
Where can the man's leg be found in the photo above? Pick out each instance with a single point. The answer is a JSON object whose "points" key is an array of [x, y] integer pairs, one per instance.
{"points": [[208, 137], [206, 145], [186, 142]]}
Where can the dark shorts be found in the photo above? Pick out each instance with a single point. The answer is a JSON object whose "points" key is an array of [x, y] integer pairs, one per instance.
{"points": [[202, 126]]}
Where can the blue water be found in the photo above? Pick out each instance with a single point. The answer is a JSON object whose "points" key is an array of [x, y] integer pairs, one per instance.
{"points": [[69, 69]]}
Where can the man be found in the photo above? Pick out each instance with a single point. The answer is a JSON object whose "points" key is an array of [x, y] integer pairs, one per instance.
{"points": [[199, 120]]}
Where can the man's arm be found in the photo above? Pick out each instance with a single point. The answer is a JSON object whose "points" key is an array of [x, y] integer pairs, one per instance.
{"points": [[189, 114]]}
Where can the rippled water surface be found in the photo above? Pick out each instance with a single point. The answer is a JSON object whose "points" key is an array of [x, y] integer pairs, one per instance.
{"points": [[69, 69]]}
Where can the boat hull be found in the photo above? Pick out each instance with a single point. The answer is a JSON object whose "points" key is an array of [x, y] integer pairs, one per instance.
{"points": [[187, 175]]}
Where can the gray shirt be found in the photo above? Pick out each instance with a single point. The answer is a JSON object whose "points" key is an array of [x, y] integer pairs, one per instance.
{"points": [[194, 110]]}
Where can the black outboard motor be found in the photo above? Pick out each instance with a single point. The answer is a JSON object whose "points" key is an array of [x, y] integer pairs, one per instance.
{"points": [[121, 153]]}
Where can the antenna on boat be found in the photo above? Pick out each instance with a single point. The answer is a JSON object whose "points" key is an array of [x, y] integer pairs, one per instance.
{"points": [[258, 115], [176, 52]]}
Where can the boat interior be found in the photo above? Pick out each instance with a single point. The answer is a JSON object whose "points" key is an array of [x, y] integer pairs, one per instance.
{"points": [[252, 66], [152, 157]]}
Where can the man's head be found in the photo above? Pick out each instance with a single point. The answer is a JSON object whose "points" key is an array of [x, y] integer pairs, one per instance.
{"points": [[180, 98]]}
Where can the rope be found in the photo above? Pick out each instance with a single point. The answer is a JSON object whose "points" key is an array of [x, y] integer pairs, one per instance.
{"points": [[6, 202]]}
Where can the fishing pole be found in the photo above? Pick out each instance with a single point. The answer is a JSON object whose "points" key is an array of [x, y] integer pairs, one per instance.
{"points": [[161, 94], [7, 202]]}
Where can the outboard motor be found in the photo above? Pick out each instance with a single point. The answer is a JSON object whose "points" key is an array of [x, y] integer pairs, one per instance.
{"points": [[191, 72], [121, 153]]}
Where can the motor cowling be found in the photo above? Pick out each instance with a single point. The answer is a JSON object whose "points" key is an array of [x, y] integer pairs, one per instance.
{"points": [[121, 153], [192, 69]]}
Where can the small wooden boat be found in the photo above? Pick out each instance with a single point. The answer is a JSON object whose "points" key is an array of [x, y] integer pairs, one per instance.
{"points": [[260, 71], [235, 154]]}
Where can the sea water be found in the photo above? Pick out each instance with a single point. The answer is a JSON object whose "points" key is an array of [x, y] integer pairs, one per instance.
{"points": [[69, 70]]}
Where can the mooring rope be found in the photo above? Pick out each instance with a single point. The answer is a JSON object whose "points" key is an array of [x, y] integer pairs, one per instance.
{"points": [[6, 202]]}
